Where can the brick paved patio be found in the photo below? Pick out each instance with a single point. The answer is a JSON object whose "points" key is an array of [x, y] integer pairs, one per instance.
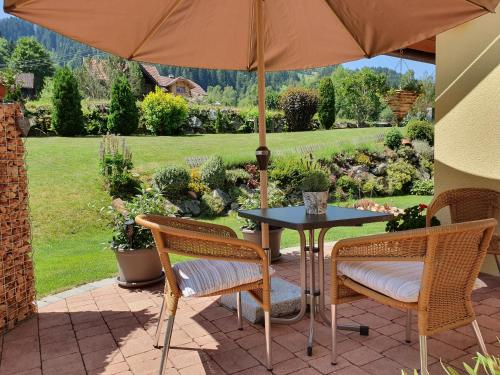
{"points": [[109, 330]]}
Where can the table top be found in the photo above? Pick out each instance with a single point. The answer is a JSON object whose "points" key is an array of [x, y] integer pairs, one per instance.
{"points": [[296, 217]]}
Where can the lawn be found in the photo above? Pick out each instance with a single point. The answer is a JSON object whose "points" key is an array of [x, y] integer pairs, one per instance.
{"points": [[70, 237]]}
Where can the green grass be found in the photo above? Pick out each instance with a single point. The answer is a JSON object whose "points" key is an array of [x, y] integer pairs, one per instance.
{"points": [[69, 236]]}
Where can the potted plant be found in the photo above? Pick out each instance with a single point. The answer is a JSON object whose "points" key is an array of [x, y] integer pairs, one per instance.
{"points": [[411, 218], [251, 229], [133, 245], [315, 185]]}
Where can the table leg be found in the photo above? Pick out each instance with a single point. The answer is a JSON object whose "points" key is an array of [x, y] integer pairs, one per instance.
{"points": [[363, 330], [312, 292], [303, 277]]}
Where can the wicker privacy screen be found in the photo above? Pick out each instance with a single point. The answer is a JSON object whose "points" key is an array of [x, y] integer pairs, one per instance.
{"points": [[17, 285]]}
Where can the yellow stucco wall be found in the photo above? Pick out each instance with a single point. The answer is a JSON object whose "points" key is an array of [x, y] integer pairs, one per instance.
{"points": [[467, 145]]}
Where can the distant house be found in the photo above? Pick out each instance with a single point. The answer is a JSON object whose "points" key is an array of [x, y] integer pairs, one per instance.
{"points": [[152, 78], [26, 82], [175, 85]]}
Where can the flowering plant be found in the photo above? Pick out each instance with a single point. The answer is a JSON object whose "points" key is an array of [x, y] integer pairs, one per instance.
{"points": [[411, 218]]}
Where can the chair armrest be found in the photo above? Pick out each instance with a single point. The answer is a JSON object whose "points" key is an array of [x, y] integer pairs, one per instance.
{"points": [[191, 225], [409, 245], [438, 203]]}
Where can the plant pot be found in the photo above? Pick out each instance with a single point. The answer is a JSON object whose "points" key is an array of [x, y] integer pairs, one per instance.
{"points": [[315, 202], [255, 236], [3, 91], [137, 268]]}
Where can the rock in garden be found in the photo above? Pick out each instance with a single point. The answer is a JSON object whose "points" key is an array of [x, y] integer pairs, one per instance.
{"points": [[358, 169], [190, 207], [224, 197], [380, 169]]}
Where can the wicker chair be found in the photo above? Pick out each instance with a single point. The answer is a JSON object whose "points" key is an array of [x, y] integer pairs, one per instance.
{"points": [[220, 253], [431, 271], [469, 204]]}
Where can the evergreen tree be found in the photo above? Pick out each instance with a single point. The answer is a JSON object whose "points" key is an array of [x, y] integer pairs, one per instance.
{"points": [[326, 105], [123, 113], [136, 79], [30, 56], [67, 117], [5, 50]]}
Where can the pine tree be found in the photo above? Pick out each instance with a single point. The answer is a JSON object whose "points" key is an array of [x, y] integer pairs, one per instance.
{"points": [[123, 113], [326, 105], [67, 117]]}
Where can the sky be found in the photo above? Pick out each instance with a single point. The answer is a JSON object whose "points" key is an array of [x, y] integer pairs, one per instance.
{"points": [[420, 69]]}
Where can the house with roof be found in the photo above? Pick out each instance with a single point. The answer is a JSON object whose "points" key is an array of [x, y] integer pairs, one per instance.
{"points": [[174, 85], [152, 78], [26, 82]]}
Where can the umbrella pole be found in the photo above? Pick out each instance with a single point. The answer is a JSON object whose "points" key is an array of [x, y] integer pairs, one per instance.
{"points": [[262, 152]]}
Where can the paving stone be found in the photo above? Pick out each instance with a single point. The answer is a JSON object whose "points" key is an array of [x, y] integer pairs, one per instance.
{"points": [[235, 360]]}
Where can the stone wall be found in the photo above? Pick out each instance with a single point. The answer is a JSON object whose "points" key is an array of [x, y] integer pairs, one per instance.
{"points": [[17, 284]]}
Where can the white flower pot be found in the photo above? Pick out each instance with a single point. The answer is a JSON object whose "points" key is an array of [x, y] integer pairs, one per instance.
{"points": [[315, 202]]}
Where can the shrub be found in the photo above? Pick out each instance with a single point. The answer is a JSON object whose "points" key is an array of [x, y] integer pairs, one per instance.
{"points": [[315, 181], [420, 130], [122, 185], [387, 115], [123, 113], [96, 122], [288, 173], [171, 182], [363, 159], [213, 172], [423, 149], [237, 176], [164, 113], [326, 106], [423, 187], [67, 116], [299, 105], [372, 186], [393, 139], [211, 206], [399, 176], [348, 185], [196, 185]]}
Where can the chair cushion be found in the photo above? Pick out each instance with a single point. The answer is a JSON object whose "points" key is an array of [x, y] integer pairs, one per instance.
{"points": [[398, 280], [202, 277]]}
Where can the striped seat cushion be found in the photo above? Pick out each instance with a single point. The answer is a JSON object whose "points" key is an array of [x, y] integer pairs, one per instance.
{"points": [[398, 280], [201, 277]]}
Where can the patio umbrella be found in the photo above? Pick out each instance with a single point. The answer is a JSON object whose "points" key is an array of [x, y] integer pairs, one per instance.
{"points": [[262, 35]]}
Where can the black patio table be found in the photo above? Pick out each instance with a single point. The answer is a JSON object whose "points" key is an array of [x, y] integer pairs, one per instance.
{"points": [[296, 218]]}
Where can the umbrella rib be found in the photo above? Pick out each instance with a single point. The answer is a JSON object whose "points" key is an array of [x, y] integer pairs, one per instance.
{"points": [[353, 36], [155, 28], [481, 5]]}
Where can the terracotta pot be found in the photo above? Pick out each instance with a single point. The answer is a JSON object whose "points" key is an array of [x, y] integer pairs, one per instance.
{"points": [[138, 267], [315, 202], [255, 236], [3, 91]]}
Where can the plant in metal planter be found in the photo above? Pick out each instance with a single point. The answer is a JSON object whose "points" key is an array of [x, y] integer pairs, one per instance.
{"points": [[133, 245], [315, 185], [251, 229]]}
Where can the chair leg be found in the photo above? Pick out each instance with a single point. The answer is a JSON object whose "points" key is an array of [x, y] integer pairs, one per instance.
{"points": [[238, 310], [267, 329], [423, 355], [159, 327], [479, 337], [408, 326], [498, 261], [166, 345], [334, 334]]}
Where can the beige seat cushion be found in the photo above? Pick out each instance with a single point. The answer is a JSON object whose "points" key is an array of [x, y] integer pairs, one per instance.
{"points": [[202, 277], [398, 280]]}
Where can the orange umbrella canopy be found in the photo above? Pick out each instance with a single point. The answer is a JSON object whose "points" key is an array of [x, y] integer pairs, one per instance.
{"points": [[221, 34]]}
